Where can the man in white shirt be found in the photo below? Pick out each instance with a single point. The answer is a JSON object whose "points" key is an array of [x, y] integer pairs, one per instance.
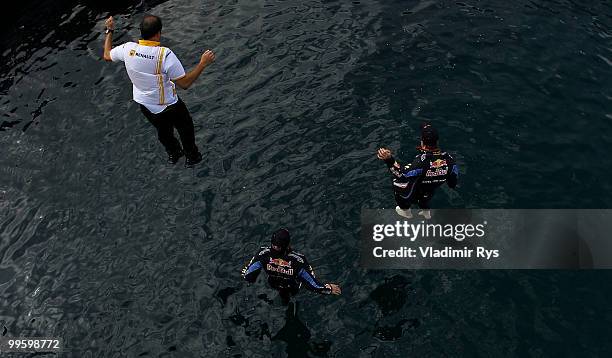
{"points": [[155, 71]]}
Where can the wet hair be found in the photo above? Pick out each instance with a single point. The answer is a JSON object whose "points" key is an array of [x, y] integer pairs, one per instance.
{"points": [[150, 26], [429, 135], [281, 239]]}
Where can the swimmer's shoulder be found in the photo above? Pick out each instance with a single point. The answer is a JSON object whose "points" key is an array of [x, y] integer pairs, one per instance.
{"points": [[297, 256], [263, 250]]}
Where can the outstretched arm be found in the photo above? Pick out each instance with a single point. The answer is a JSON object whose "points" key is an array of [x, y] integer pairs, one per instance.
{"points": [[108, 41], [409, 172], [186, 81], [394, 166], [307, 276], [385, 155]]}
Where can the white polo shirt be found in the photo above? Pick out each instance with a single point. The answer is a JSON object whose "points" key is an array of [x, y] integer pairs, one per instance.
{"points": [[151, 68]]}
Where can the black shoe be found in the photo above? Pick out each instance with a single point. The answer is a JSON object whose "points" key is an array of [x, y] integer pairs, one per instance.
{"points": [[190, 162], [174, 158]]}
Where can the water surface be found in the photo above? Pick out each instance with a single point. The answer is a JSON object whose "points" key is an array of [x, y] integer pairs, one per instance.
{"points": [[121, 255]]}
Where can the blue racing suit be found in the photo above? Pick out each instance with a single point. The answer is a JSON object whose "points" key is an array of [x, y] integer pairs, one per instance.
{"points": [[286, 272], [416, 183]]}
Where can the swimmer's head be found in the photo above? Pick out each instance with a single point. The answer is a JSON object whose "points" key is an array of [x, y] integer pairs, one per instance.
{"points": [[429, 136], [280, 240], [150, 27]]}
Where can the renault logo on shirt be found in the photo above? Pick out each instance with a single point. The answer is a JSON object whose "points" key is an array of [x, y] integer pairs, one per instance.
{"points": [[138, 54], [150, 57]]}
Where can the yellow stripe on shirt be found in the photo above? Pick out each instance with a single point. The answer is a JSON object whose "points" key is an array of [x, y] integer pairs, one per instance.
{"points": [[160, 60], [160, 78], [160, 82]]}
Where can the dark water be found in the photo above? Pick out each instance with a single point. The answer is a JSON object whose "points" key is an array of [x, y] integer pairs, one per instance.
{"points": [[104, 245]]}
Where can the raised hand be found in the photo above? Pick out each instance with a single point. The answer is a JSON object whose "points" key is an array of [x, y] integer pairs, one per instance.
{"points": [[110, 23], [383, 154], [207, 57]]}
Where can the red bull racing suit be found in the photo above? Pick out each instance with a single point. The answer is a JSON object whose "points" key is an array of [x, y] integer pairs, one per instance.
{"points": [[286, 272], [416, 183]]}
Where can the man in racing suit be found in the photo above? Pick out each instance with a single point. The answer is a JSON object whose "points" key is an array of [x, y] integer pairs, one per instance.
{"points": [[287, 270], [416, 183]]}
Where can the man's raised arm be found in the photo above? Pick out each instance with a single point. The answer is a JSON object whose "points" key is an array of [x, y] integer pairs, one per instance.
{"points": [[108, 41], [186, 81]]}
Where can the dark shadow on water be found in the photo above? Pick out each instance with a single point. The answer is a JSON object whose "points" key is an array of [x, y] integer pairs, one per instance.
{"points": [[297, 336], [391, 298], [34, 25], [396, 331], [392, 295], [225, 293], [49, 27]]}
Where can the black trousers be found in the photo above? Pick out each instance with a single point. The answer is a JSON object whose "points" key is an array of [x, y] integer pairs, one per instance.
{"points": [[174, 116]]}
